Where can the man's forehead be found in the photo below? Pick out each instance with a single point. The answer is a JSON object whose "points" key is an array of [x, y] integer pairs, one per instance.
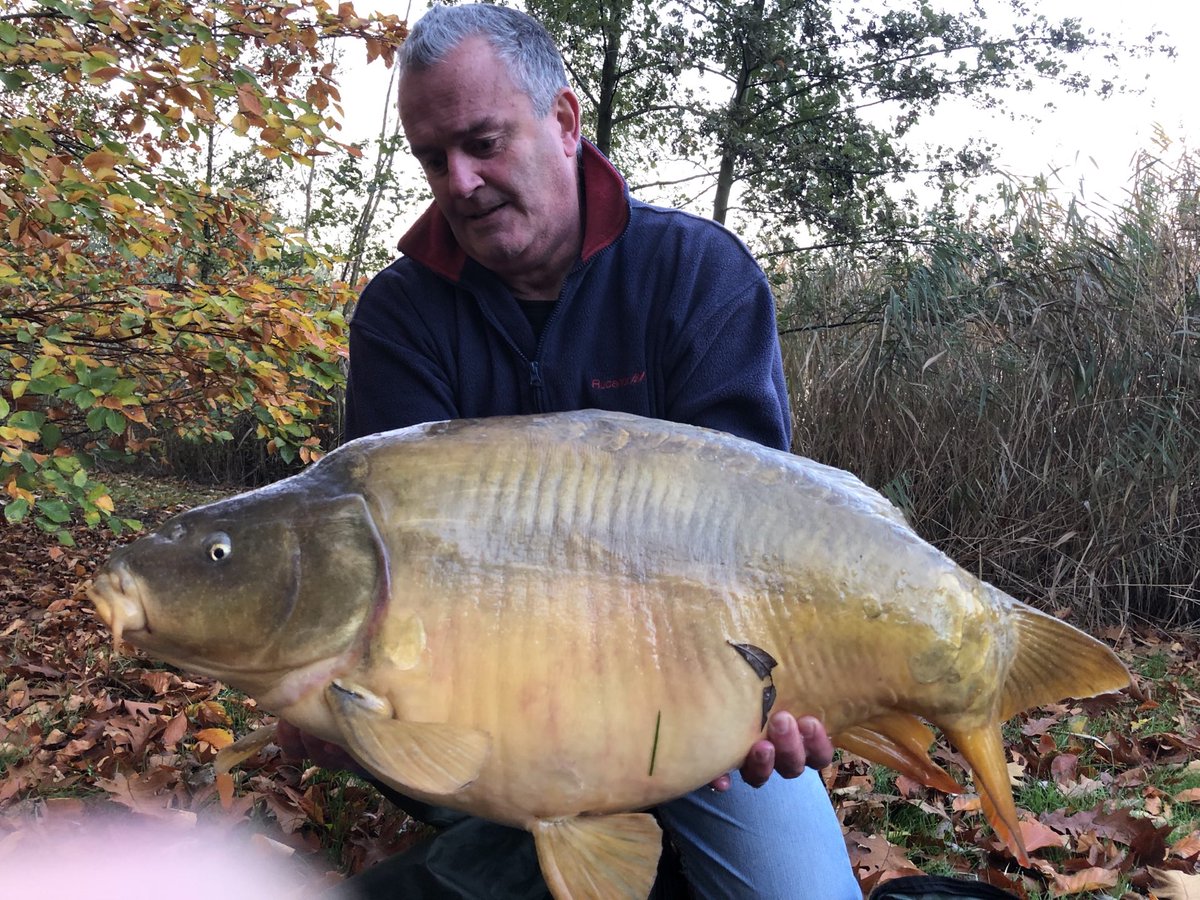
{"points": [[459, 97]]}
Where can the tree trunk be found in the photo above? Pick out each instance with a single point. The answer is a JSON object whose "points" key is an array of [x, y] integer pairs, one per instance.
{"points": [[736, 115], [612, 29]]}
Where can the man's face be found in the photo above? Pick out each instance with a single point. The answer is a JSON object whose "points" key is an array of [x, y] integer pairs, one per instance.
{"points": [[503, 177]]}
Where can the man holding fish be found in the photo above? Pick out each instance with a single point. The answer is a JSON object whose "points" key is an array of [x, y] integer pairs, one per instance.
{"points": [[557, 620], [535, 283]]}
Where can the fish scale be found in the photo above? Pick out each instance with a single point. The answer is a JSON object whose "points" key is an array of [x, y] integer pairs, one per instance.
{"points": [[557, 621]]}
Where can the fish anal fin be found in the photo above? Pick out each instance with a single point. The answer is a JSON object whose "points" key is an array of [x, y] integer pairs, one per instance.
{"points": [[983, 749], [599, 857], [901, 742], [1054, 660], [430, 757]]}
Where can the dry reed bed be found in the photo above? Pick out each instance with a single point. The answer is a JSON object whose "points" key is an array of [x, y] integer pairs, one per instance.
{"points": [[1027, 389]]}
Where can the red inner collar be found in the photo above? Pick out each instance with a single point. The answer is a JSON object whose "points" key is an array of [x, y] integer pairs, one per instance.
{"points": [[606, 212]]}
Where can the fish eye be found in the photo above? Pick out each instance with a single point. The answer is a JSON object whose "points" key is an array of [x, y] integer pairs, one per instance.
{"points": [[219, 547]]}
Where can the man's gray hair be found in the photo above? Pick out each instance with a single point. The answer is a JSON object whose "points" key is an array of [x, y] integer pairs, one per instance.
{"points": [[528, 51]]}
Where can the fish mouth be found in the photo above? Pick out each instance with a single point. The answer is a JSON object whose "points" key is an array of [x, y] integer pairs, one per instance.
{"points": [[116, 594]]}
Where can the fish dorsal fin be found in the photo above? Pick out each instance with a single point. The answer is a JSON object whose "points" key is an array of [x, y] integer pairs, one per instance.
{"points": [[1054, 660], [430, 757], [599, 857], [243, 748], [983, 749], [901, 742]]}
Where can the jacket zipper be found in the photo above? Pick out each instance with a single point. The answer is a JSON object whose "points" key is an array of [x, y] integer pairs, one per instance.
{"points": [[535, 366]]}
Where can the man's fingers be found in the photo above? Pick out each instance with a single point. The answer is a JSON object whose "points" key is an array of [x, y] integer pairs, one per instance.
{"points": [[791, 753], [791, 746], [759, 764], [818, 748], [721, 783]]}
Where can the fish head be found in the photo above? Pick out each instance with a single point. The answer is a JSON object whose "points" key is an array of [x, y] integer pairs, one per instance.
{"points": [[265, 582]]}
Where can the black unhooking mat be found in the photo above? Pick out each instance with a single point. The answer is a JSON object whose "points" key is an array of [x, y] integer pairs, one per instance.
{"points": [[934, 887]]}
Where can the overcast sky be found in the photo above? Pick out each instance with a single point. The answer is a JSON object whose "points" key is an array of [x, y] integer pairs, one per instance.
{"points": [[1093, 140]]}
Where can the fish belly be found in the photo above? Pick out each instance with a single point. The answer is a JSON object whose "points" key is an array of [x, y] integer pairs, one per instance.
{"points": [[600, 695]]}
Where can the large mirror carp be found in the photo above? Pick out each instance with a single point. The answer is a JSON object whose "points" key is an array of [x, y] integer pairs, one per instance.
{"points": [[557, 621]]}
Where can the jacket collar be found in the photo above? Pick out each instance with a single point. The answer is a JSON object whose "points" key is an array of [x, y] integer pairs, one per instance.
{"points": [[606, 213]]}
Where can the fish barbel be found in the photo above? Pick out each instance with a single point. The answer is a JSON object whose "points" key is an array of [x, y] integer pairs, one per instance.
{"points": [[558, 621]]}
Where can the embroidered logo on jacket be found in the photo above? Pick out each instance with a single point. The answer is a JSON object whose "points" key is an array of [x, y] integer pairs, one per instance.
{"points": [[605, 384]]}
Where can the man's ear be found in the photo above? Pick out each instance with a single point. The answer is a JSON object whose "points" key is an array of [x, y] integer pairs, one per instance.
{"points": [[566, 113]]}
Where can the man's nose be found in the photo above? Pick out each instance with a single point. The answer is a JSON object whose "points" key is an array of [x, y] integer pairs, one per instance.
{"points": [[462, 176]]}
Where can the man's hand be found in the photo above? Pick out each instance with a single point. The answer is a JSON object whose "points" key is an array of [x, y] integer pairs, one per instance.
{"points": [[790, 746], [300, 745]]}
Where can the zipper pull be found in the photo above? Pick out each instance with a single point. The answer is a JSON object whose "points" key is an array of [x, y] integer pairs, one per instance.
{"points": [[535, 374]]}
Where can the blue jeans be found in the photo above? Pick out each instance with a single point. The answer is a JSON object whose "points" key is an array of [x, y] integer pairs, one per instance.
{"points": [[770, 843]]}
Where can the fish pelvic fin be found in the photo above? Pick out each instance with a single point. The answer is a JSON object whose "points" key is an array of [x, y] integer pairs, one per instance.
{"points": [[243, 748], [430, 757], [1054, 660], [899, 741], [599, 857], [983, 749]]}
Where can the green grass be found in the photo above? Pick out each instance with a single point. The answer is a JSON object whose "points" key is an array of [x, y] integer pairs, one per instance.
{"points": [[137, 496], [1184, 817], [1045, 796], [243, 714]]}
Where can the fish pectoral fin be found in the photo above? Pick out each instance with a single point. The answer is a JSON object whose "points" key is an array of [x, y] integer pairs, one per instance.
{"points": [[983, 749], [430, 757], [599, 857], [899, 741], [243, 748]]}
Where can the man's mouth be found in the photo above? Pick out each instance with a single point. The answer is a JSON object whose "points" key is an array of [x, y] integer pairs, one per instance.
{"points": [[483, 214]]}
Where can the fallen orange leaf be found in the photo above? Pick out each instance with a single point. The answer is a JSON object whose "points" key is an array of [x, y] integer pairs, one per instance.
{"points": [[215, 737], [1035, 835], [1093, 879], [1175, 885], [966, 803], [174, 731], [1186, 846], [224, 782]]}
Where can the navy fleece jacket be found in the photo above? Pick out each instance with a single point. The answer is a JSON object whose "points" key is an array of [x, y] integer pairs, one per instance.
{"points": [[665, 315]]}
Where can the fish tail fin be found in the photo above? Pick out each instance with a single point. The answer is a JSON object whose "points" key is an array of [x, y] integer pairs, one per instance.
{"points": [[899, 741], [599, 857], [983, 748], [1054, 660]]}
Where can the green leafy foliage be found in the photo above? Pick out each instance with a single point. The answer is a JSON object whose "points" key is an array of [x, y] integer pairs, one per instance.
{"points": [[138, 296], [793, 113]]}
